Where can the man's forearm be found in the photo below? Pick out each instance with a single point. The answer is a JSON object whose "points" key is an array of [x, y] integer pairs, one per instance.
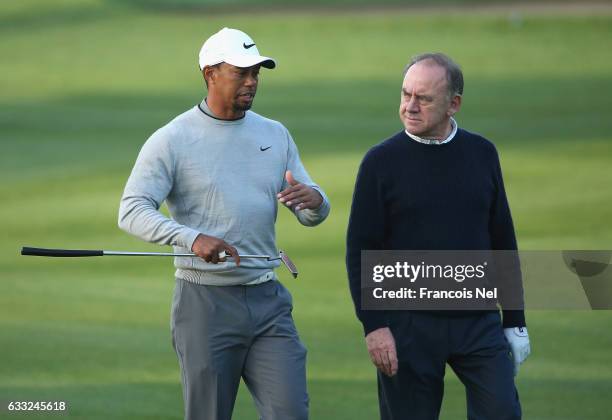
{"points": [[140, 217]]}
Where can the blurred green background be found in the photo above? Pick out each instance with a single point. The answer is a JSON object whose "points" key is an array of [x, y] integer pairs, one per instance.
{"points": [[85, 82]]}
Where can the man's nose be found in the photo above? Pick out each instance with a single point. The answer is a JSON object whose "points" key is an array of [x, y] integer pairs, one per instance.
{"points": [[413, 105], [250, 80]]}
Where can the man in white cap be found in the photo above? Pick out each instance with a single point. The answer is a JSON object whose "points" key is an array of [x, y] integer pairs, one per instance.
{"points": [[221, 169]]}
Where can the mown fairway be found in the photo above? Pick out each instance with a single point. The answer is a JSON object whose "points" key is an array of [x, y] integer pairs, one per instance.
{"points": [[85, 82]]}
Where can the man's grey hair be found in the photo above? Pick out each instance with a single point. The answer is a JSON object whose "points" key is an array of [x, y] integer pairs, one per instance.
{"points": [[454, 75]]}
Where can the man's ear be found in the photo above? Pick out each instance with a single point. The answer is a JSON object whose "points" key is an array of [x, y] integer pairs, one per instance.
{"points": [[455, 105], [208, 72]]}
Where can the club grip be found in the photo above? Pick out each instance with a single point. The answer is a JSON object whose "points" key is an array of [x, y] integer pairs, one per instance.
{"points": [[46, 252]]}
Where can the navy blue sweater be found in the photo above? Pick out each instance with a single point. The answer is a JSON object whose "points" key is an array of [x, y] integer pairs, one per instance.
{"points": [[415, 196]]}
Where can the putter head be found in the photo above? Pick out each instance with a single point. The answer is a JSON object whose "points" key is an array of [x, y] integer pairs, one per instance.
{"points": [[288, 263]]}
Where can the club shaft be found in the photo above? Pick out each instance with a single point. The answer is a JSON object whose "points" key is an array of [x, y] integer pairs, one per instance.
{"points": [[54, 252], [172, 254], [146, 254], [51, 252]]}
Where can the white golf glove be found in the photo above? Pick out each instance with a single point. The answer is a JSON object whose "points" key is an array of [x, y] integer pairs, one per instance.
{"points": [[518, 339]]}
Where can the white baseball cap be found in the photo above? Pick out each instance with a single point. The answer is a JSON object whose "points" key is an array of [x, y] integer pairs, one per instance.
{"points": [[233, 47]]}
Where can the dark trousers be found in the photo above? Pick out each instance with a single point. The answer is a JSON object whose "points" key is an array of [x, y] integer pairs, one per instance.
{"points": [[475, 348]]}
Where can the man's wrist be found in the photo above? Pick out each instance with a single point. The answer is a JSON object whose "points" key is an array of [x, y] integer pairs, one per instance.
{"points": [[513, 318], [190, 237], [317, 208], [373, 323]]}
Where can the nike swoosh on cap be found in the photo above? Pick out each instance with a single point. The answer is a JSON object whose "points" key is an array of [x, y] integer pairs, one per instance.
{"points": [[244, 44], [263, 149]]}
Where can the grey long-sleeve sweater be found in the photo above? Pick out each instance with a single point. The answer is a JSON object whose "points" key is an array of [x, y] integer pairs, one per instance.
{"points": [[219, 178]]}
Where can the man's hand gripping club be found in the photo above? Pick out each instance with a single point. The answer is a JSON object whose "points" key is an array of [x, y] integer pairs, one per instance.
{"points": [[213, 250]]}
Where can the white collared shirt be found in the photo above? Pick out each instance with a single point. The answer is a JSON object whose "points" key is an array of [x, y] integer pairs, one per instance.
{"points": [[436, 142]]}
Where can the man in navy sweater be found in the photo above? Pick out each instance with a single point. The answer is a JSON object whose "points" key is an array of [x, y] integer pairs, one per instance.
{"points": [[434, 186]]}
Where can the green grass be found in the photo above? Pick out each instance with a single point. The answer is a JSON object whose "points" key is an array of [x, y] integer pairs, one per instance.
{"points": [[85, 82]]}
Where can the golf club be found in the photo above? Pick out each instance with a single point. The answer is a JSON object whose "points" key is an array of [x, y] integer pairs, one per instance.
{"points": [[53, 252]]}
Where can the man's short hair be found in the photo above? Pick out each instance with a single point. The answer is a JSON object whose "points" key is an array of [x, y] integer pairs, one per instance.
{"points": [[454, 75]]}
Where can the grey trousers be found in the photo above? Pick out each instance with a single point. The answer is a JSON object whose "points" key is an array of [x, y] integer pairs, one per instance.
{"points": [[224, 333]]}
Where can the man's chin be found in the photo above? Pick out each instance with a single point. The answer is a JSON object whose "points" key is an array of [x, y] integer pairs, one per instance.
{"points": [[414, 129], [245, 106]]}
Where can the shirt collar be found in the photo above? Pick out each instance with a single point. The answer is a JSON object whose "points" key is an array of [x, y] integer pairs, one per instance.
{"points": [[206, 110], [436, 142]]}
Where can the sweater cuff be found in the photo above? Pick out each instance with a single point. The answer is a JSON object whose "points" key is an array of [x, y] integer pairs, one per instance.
{"points": [[187, 237], [515, 318], [373, 321], [312, 217]]}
